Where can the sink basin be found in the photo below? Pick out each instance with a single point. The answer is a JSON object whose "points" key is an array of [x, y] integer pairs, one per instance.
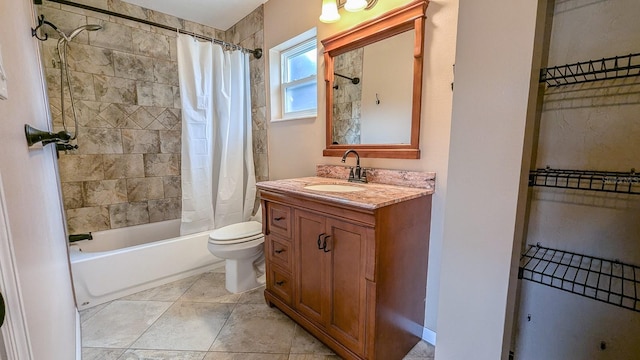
{"points": [[334, 188]]}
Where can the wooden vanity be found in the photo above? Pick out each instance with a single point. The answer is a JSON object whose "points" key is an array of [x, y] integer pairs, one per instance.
{"points": [[349, 267]]}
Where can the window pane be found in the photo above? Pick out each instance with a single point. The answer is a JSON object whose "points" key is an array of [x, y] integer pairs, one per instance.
{"points": [[301, 97], [301, 65]]}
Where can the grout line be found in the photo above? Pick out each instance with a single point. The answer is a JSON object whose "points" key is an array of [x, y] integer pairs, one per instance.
{"points": [[224, 324]]}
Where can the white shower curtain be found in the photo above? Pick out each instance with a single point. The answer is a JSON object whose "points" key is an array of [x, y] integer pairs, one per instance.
{"points": [[218, 177]]}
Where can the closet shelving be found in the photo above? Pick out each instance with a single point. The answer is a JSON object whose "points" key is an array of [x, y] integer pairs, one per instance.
{"points": [[609, 281], [605, 181], [592, 70]]}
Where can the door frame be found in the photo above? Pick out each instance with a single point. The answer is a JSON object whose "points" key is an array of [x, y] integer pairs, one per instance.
{"points": [[14, 329]]}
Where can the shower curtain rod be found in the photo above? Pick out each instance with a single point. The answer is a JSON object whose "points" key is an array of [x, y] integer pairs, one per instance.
{"points": [[257, 53]]}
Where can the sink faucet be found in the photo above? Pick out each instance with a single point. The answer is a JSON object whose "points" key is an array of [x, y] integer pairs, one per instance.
{"points": [[356, 174]]}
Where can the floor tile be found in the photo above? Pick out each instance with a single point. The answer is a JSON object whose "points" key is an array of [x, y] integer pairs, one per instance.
{"points": [[253, 297], [186, 326], [244, 356], [86, 314], [255, 328], [305, 343], [120, 323], [185, 330], [136, 354], [101, 354], [168, 292], [422, 350], [210, 288], [313, 357]]}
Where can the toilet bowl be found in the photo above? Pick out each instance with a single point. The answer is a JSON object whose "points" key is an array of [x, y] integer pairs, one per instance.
{"points": [[242, 247]]}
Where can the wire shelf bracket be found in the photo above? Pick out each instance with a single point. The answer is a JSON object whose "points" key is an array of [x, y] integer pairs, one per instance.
{"points": [[592, 70], [609, 281], [605, 181]]}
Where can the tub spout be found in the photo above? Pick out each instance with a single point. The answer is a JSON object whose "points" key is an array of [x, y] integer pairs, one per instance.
{"points": [[78, 237]]}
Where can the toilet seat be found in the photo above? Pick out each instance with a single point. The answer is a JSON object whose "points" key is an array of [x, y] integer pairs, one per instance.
{"points": [[236, 233]]}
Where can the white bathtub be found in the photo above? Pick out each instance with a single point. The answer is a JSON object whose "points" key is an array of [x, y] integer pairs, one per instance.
{"points": [[124, 261]]}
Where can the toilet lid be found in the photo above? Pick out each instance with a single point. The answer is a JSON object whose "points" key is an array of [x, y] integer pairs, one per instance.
{"points": [[236, 233]]}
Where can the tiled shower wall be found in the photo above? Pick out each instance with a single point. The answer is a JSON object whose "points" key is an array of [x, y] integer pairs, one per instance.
{"points": [[125, 81], [248, 33], [347, 97]]}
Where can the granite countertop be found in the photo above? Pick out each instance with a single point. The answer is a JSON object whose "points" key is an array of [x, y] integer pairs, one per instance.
{"points": [[374, 196]]}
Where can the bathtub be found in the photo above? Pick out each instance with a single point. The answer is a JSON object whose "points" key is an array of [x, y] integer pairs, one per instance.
{"points": [[124, 261]]}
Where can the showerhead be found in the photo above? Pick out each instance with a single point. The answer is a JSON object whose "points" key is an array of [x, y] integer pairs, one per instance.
{"points": [[93, 27], [90, 27]]}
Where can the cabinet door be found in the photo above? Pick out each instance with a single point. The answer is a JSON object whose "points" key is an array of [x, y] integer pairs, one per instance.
{"points": [[309, 266], [346, 259]]}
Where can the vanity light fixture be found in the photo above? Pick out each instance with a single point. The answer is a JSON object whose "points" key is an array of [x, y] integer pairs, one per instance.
{"points": [[355, 5], [329, 11], [330, 8]]}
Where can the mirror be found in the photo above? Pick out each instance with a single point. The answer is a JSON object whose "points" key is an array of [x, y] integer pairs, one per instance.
{"points": [[373, 80], [369, 88]]}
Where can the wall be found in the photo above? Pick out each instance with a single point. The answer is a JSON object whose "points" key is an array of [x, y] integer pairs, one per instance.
{"points": [[295, 147], [497, 63], [32, 208], [387, 100], [589, 127], [127, 168]]}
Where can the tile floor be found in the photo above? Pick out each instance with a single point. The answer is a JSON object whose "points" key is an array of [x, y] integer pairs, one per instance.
{"points": [[197, 319]]}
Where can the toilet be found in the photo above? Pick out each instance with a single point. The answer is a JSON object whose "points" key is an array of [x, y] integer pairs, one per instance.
{"points": [[242, 247]]}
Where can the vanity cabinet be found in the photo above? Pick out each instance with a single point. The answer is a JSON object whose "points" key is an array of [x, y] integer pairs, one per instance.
{"points": [[355, 277], [330, 286]]}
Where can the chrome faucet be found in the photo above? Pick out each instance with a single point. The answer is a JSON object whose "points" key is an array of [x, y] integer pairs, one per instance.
{"points": [[356, 174]]}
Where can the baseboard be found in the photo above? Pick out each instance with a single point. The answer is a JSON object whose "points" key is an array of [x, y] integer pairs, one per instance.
{"points": [[78, 337], [429, 336]]}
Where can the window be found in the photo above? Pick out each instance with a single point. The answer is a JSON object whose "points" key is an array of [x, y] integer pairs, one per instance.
{"points": [[293, 80], [299, 83]]}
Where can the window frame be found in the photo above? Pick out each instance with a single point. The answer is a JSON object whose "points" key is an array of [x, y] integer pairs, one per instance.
{"points": [[291, 52]]}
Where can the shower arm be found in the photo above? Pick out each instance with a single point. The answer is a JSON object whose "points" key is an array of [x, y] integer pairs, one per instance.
{"points": [[354, 80]]}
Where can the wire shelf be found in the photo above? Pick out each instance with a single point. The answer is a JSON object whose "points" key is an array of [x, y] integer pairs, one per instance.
{"points": [[607, 181], [593, 70], [609, 281]]}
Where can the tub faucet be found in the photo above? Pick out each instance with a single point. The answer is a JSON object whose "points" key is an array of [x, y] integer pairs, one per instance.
{"points": [[79, 237], [356, 174]]}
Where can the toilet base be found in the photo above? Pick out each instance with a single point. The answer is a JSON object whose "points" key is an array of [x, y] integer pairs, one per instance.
{"points": [[241, 275]]}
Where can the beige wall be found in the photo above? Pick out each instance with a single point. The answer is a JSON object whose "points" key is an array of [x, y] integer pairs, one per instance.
{"points": [[495, 75], [591, 126], [295, 147], [127, 168], [32, 208]]}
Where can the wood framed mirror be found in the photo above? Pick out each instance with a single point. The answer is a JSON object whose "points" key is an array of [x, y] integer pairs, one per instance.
{"points": [[373, 80]]}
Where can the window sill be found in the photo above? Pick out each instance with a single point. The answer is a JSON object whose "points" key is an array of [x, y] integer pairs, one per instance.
{"points": [[301, 117]]}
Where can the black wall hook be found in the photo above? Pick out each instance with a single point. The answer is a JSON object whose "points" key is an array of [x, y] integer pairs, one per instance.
{"points": [[41, 22]]}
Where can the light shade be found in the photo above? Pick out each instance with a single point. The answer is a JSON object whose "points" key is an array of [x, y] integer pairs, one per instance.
{"points": [[355, 5], [329, 11]]}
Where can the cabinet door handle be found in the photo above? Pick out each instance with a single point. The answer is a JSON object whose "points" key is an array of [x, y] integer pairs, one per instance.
{"points": [[320, 241], [324, 244], [279, 218], [280, 283], [280, 251]]}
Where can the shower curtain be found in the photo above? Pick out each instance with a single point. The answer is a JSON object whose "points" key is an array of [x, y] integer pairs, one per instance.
{"points": [[218, 177]]}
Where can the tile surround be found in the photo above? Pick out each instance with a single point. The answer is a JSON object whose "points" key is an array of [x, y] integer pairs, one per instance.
{"points": [[125, 83], [346, 105]]}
